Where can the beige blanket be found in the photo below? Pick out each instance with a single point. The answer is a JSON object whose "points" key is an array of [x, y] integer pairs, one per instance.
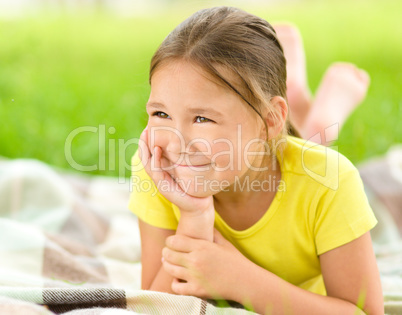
{"points": [[68, 243]]}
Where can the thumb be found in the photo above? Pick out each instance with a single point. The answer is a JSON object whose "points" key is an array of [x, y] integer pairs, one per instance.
{"points": [[218, 238]]}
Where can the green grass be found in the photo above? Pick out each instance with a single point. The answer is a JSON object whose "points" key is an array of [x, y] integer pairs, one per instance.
{"points": [[58, 73]]}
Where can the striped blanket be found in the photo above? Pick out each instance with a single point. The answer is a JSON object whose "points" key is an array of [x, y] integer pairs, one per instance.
{"points": [[68, 244]]}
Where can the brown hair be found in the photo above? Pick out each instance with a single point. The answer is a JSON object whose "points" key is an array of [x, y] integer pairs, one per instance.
{"points": [[241, 42]]}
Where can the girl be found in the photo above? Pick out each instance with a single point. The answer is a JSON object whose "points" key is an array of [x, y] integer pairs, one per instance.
{"points": [[229, 205]]}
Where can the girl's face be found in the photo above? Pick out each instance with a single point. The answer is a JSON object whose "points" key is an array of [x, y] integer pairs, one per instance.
{"points": [[204, 129]]}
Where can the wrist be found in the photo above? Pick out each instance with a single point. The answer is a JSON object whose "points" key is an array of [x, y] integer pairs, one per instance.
{"points": [[198, 213], [197, 220], [197, 224]]}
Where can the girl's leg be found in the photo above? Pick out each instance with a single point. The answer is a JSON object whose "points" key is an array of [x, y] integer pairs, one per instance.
{"points": [[298, 93], [342, 88]]}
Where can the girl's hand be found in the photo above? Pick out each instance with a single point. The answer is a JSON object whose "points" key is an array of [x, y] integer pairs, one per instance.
{"points": [[210, 269], [175, 194]]}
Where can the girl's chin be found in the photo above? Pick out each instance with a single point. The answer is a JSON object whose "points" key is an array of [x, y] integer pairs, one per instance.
{"points": [[198, 188], [199, 194]]}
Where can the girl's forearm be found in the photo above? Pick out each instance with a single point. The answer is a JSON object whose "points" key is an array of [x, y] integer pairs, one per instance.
{"points": [[267, 293], [162, 282], [197, 224]]}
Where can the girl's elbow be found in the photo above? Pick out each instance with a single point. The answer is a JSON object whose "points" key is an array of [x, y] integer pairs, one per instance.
{"points": [[373, 308]]}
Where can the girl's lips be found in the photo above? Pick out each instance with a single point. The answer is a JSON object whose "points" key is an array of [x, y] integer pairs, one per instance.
{"points": [[191, 165]]}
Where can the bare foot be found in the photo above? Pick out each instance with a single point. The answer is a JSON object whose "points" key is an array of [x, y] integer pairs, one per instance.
{"points": [[298, 93], [342, 89]]}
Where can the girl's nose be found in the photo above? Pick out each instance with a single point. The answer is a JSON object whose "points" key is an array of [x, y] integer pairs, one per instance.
{"points": [[180, 143], [170, 139]]}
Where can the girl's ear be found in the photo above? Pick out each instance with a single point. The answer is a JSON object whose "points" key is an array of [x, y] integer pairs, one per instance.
{"points": [[276, 117]]}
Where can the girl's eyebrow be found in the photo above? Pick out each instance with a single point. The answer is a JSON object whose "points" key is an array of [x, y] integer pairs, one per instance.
{"points": [[195, 110]]}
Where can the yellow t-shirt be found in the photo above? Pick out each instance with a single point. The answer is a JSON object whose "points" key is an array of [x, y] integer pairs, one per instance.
{"points": [[320, 205]]}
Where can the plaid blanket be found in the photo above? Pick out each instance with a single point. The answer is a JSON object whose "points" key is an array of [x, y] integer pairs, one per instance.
{"points": [[68, 244]]}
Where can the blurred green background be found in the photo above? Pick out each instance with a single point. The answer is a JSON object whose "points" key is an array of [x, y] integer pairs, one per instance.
{"points": [[61, 71]]}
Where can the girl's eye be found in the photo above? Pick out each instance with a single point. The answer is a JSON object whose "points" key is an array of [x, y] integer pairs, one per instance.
{"points": [[202, 119], [198, 119], [160, 114]]}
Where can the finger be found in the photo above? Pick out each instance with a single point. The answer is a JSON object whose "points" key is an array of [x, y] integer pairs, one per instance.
{"points": [[157, 155], [150, 160], [183, 243], [175, 257], [175, 271], [218, 238], [179, 287], [158, 174], [152, 164], [221, 240], [145, 153], [156, 164], [161, 175], [188, 288]]}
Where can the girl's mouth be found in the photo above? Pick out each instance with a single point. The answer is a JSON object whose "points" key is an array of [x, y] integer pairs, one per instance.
{"points": [[184, 165]]}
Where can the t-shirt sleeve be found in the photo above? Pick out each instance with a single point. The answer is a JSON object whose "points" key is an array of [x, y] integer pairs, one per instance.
{"points": [[146, 201], [343, 214]]}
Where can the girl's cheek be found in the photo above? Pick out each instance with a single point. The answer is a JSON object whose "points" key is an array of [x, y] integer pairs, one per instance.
{"points": [[233, 158], [224, 156]]}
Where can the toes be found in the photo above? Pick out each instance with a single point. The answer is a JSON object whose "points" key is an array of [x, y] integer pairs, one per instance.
{"points": [[287, 30], [346, 72], [363, 76]]}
